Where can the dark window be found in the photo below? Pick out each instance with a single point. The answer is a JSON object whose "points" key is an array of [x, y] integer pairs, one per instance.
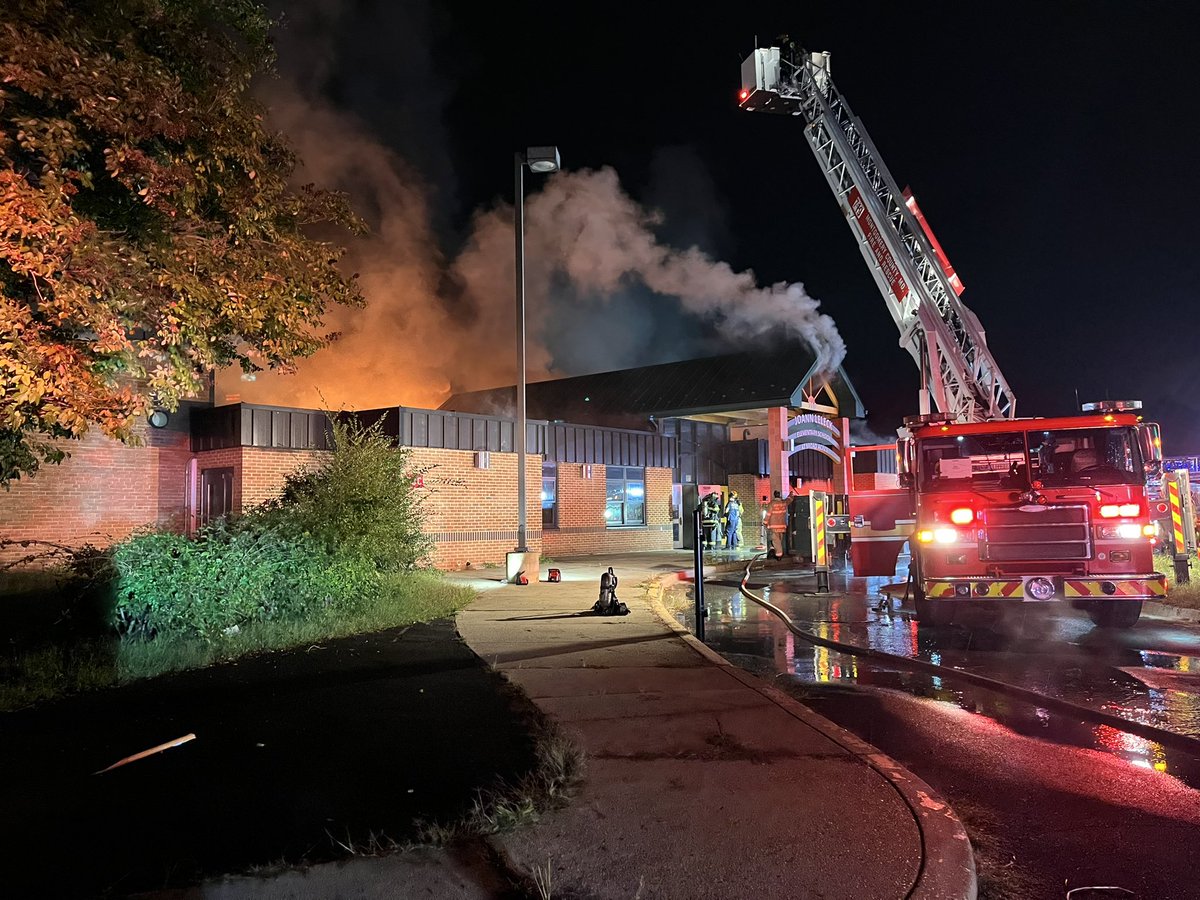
{"points": [[549, 495], [216, 494], [626, 497]]}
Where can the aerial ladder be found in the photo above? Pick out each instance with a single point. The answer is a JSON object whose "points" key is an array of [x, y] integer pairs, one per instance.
{"points": [[959, 376]]}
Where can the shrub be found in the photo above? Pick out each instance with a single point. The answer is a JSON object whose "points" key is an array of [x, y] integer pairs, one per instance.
{"points": [[227, 577], [359, 504]]}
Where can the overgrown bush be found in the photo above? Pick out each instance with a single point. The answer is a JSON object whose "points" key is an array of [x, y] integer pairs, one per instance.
{"points": [[228, 577], [360, 503]]}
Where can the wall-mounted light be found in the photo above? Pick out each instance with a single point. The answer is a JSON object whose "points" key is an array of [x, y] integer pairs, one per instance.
{"points": [[158, 418], [586, 471], [482, 459]]}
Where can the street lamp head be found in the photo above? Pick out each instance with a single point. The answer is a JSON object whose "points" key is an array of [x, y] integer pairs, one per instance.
{"points": [[542, 159]]}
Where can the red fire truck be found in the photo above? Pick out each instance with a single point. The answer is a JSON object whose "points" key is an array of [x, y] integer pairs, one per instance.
{"points": [[993, 507]]}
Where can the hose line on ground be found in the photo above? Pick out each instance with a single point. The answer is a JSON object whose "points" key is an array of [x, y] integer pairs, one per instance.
{"points": [[1158, 735]]}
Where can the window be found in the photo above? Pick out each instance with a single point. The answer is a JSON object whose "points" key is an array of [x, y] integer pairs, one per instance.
{"points": [[549, 495], [626, 499]]}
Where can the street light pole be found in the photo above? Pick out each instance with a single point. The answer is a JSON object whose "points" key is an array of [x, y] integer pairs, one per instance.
{"points": [[519, 437], [539, 159]]}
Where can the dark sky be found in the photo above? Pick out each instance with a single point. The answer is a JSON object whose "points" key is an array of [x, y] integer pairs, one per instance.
{"points": [[1052, 146]]}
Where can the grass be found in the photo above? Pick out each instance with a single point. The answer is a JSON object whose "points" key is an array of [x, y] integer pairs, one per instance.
{"points": [[550, 785], [83, 663], [1183, 595]]}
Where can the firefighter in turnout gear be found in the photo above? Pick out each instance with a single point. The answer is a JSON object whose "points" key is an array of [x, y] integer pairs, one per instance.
{"points": [[710, 517], [777, 518], [733, 519]]}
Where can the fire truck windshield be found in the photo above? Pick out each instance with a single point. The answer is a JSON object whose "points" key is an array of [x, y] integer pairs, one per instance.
{"points": [[1012, 460]]}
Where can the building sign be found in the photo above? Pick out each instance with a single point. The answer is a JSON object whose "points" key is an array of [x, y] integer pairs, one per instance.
{"points": [[883, 256], [813, 432]]}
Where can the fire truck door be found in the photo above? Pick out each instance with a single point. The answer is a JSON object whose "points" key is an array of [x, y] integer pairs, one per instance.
{"points": [[880, 523]]}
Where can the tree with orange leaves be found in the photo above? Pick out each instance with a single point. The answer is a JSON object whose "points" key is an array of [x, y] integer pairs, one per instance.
{"points": [[149, 233]]}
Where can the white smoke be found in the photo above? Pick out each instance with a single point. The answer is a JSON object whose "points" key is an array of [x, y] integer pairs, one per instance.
{"points": [[433, 325]]}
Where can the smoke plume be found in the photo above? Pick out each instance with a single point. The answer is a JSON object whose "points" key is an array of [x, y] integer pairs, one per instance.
{"points": [[436, 324]]}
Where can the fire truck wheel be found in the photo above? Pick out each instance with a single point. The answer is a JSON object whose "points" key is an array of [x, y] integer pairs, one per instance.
{"points": [[1115, 613], [934, 612]]}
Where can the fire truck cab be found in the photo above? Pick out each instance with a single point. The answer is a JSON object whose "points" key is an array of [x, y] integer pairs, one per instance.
{"points": [[1032, 511]]}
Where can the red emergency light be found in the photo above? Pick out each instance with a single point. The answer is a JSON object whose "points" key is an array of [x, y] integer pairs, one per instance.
{"points": [[742, 95]]}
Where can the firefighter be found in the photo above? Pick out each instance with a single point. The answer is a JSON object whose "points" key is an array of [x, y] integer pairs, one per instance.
{"points": [[733, 517], [710, 514], [777, 516]]}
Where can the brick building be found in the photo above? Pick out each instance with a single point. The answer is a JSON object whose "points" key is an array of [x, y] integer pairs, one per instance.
{"points": [[620, 458]]}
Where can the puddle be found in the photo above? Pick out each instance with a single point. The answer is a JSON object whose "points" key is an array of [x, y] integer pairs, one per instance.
{"points": [[1052, 650]]}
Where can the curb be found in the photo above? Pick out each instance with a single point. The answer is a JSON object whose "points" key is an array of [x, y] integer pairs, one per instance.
{"points": [[947, 869], [1159, 610]]}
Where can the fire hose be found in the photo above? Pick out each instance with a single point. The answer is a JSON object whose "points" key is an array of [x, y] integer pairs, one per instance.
{"points": [[1149, 732]]}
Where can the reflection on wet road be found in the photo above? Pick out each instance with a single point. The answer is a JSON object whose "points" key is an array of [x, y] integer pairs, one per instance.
{"points": [[1150, 674]]}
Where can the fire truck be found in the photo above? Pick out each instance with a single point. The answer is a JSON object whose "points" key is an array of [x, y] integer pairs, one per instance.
{"points": [[992, 507]]}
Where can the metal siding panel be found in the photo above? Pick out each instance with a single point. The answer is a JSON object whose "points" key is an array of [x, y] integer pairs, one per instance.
{"points": [[418, 429], [298, 430], [280, 431], [246, 438], [478, 435], [437, 430], [493, 435], [262, 428], [507, 443]]}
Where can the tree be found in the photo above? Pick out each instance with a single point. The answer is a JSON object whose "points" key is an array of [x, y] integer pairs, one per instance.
{"points": [[148, 230]]}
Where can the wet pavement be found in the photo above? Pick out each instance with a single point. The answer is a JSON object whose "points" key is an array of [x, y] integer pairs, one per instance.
{"points": [[1150, 674], [1051, 802]]}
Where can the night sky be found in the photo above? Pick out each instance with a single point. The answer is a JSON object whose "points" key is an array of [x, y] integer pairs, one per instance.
{"points": [[1052, 147]]}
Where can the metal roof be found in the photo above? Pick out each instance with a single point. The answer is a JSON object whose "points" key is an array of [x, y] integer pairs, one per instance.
{"points": [[749, 380]]}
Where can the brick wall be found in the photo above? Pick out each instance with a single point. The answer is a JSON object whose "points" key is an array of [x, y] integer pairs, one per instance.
{"points": [[262, 471], [106, 490], [751, 490], [471, 513], [101, 493], [581, 529]]}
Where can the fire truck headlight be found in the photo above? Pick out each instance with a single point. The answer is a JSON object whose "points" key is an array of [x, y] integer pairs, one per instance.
{"points": [[1110, 511], [1130, 509], [1126, 531], [964, 515], [925, 537], [945, 535], [1040, 588], [1150, 530]]}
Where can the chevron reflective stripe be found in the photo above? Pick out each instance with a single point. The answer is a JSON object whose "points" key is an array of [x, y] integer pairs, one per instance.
{"points": [[821, 552], [1176, 515], [1154, 586], [995, 589]]}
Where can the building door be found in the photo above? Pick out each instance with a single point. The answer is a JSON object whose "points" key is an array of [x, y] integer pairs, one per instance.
{"points": [[216, 494], [691, 499]]}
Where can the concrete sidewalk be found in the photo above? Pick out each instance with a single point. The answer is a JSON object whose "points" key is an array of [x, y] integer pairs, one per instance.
{"points": [[703, 781]]}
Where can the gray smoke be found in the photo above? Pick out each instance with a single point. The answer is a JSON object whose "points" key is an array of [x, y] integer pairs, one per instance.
{"points": [[603, 291]]}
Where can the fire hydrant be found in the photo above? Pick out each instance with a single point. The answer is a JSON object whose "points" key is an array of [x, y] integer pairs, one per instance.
{"points": [[608, 604]]}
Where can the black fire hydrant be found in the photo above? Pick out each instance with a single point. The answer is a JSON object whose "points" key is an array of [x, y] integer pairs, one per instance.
{"points": [[608, 604]]}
